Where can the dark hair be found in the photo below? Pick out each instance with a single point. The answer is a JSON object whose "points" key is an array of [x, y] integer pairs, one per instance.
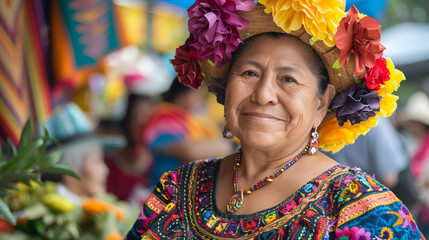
{"points": [[176, 89], [316, 64], [133, 99]]}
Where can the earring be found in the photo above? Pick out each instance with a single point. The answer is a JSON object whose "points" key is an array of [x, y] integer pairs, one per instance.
{"points": [[314, 144], [227, 133]]}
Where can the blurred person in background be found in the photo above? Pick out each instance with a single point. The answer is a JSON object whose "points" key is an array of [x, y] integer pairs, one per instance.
{"points": [[381, 153], [130, 167], [175, 136], [415, 123], [81, 150]]}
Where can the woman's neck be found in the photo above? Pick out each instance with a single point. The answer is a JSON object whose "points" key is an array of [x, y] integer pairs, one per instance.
{"points": [[256, 163]]}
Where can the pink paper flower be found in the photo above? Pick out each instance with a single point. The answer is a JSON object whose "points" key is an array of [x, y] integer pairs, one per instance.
{"points": [[360, 36], [214, 25], [376, 75]]}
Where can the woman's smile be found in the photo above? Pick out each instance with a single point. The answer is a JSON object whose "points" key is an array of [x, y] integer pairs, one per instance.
{"points": [[261, 117]]}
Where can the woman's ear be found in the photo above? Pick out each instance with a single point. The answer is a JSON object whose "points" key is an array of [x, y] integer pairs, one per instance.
{"points": [[324, 103]]}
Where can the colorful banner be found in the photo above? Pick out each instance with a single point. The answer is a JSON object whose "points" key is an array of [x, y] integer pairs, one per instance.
{"points": [[24, 91], [83, 32]]}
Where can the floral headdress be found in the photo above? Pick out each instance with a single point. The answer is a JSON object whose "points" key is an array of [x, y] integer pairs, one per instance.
{"points": [[348, 43]]}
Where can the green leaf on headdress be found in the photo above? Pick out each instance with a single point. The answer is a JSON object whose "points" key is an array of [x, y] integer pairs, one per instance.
{"points": [[357, 81], [336, 63], [311, 41], [199, 63], [203, 74], [211, 63]]}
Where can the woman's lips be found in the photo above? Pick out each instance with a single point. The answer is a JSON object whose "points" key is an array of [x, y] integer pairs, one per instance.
{"points": [[260, 116]]}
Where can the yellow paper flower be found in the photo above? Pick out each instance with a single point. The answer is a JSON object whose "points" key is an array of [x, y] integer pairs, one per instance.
{"points": [[334, 137], [58, 203], [319, 17], [387, 105]]}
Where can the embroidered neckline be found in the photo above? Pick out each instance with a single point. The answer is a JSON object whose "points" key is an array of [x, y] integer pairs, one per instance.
{"points": [[206, 215]]}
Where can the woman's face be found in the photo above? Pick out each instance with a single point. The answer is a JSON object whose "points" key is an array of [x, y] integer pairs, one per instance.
{"points": [[139, 115], [271, 95], [94, 173]]}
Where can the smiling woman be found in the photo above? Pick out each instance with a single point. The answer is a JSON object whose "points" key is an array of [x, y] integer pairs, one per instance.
{"points": [[284, 70]]}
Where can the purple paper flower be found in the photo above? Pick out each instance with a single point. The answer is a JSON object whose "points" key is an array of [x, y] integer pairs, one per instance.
{"points": [[219, 90], [356, 104], [214, 25]]}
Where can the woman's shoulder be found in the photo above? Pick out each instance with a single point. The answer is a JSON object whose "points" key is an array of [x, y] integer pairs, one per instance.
{"points": [[353, 184], [357, 180]]}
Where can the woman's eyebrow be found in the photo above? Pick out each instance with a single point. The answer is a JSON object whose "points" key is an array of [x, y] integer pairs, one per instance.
{"points": [[290, 69]]}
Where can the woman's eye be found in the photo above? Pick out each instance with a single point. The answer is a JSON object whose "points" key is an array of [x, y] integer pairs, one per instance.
{"points": [[249, 74], [288, 79]]}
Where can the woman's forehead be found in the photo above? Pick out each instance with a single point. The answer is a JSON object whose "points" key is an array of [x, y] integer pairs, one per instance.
{"points": [[284, 48]]}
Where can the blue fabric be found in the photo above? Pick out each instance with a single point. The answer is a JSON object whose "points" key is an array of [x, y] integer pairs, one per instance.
{"points": [[163, 161]]}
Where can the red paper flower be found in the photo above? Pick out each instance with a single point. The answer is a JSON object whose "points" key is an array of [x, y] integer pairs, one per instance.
{"points": [[376, 75], [360, 36], [186, 66]]}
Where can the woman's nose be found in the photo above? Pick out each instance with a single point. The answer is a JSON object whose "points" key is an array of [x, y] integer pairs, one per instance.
{"points": [[265, 91]]}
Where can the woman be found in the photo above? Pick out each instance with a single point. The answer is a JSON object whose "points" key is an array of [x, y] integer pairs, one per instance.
{"points": [[82, 150], [277, 91], [130, 168]]}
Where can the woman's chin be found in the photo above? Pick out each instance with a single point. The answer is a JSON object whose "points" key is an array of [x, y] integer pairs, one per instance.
{"points": [[260, 140]]}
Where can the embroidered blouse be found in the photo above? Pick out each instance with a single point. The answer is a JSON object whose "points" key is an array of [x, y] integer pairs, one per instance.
{"points": [[341, 203]]}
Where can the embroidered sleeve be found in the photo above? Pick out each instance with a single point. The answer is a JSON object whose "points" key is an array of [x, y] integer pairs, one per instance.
{"points": [[161, 199], [368, 210]]}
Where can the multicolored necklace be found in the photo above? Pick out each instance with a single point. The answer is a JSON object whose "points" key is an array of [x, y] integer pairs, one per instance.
{"points": [[237, 199]]}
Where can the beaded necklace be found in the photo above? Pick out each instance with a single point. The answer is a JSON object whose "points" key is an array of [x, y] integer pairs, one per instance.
{"points": [[237, 198]]}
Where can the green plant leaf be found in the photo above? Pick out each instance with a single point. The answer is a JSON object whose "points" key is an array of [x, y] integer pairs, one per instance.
{"points": [[13, 177], [42, 150], [3, 192], [50, 159], [31, 163], [7, 186], [47, 136], [25, 153], [61, 168], [40, 227], [25, 135], [9, 149], [5, 212]]}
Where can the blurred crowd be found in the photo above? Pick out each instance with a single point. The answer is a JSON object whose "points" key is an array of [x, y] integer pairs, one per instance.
{"points": [[157, 133]]}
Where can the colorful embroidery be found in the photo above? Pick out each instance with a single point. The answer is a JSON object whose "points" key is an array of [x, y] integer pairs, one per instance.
{"points": [[341, 203]]}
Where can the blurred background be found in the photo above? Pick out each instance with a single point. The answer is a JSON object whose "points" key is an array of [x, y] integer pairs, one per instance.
{"points": [[99, 69]]}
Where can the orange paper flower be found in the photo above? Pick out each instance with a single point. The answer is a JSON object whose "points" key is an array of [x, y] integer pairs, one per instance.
{"points": [[114, 236], [97, 206]]}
